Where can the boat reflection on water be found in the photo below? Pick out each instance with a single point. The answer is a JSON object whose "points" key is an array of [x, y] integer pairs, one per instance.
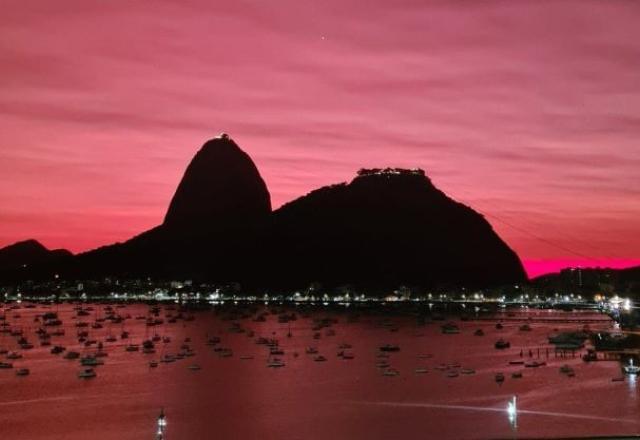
{"points": [[632, 380]]}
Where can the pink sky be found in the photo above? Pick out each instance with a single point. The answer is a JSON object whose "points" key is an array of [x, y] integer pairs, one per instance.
{"points": [[527, 111]]}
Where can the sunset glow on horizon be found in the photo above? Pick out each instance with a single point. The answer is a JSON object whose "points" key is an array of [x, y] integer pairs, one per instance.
{"points": [[528, 112]]}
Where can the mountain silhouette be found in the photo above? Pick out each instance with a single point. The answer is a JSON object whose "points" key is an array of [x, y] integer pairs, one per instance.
{"points": [[385, 228], [221, 186], [25, 256]]}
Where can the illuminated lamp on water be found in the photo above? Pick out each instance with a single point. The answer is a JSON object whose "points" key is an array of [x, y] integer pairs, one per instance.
{"points": [[162, 424], [512, 412]]}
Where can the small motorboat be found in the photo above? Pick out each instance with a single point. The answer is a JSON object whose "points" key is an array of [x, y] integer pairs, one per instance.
{"points": [[535, 364], [479, 332], [499, 377], [90, 361], [390, 372], [87, 373], [450, 329], [277, 351], [57, 349], [167, 358], [516, 375], [22, 372], [275, 363], [501, 344], [566, 369]]}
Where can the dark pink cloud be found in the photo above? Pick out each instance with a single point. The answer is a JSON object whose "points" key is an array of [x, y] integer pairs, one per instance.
{"points": [[527, 111]]}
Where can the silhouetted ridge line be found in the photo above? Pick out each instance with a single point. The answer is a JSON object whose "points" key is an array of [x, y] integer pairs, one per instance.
{"points": [[385, 228], [23, 257]]}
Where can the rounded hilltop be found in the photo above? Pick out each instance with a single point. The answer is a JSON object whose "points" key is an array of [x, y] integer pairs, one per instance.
{"points": [[389, 172], [393, 177], [220, 185]]}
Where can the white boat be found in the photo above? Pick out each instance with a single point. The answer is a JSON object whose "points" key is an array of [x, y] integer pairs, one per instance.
{"points": [[630, 368], [276, 363], [390, 372]]}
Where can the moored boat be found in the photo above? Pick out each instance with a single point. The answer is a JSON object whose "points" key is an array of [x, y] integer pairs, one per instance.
{"points": [[87, 373]]}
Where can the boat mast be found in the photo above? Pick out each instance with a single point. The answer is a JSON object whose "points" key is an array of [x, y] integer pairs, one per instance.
{"points": [[162, 424]]}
